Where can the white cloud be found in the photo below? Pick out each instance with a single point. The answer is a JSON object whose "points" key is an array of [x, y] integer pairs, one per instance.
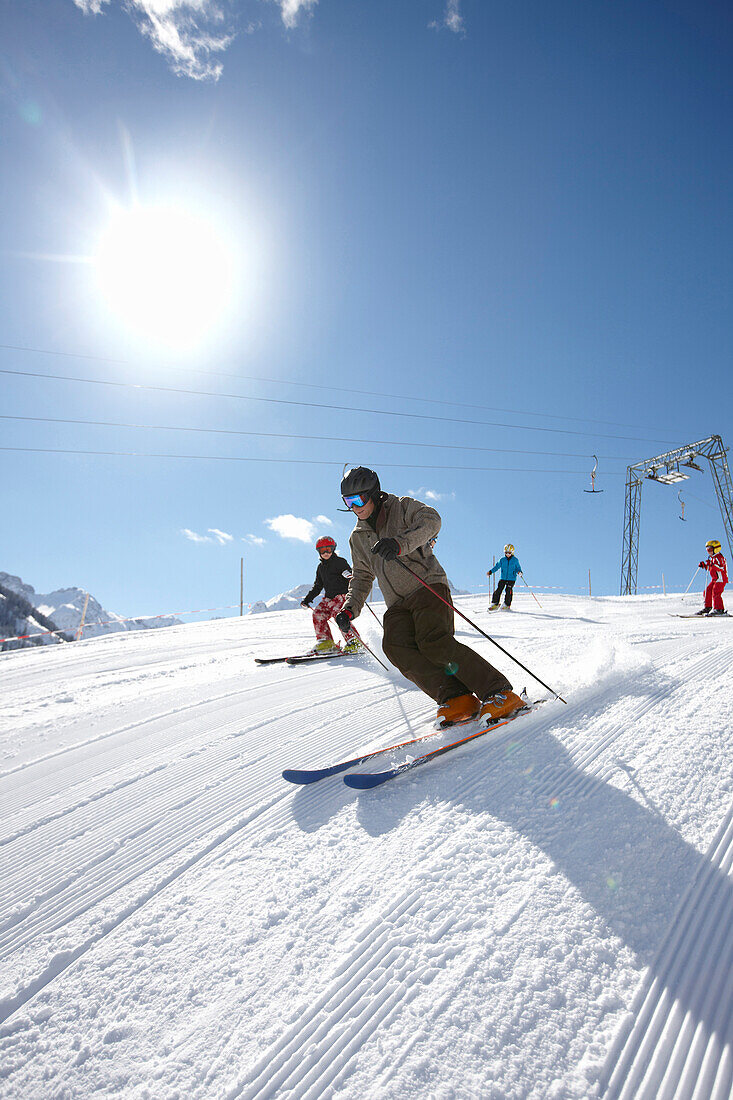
{"points": [[189, 33], [292, 527], [254, 540], [452, 19], [221, 536], [430, 494], [324, 521], [290, 10], [214, 535], [194, 537]]}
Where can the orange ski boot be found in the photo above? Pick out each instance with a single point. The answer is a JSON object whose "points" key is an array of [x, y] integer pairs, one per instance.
{"points": [[501, 705], [461, 708]]}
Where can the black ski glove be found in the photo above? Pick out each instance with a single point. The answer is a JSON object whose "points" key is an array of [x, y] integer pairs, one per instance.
{"points": [[343, 621], [702, 565], [307, 606], [389, 549]]}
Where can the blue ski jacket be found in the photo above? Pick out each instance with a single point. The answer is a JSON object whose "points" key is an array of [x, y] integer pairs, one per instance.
{"points": [[510, 567]]}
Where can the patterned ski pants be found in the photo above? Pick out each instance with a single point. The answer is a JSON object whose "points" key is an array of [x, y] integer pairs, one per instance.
{"points": [[326, 610]]}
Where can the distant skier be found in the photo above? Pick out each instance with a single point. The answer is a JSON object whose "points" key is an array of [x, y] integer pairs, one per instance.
{"points": [[510, 570], [332, 578], [717, 567], [418, 628]]}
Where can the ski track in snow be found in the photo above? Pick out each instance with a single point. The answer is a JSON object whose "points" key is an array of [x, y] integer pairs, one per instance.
{"points": [[545, 913]]}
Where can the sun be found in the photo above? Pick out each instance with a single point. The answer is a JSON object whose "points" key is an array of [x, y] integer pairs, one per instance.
{"points": [[166, 273]]}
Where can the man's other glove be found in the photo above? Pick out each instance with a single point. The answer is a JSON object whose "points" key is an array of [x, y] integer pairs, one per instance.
{"points": [[389, 549], [702, 565], [343, 621], [307, 606]]}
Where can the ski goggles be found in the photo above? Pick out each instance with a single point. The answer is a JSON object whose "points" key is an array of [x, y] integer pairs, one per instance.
{"points": [[356, 500], [325, 550]]}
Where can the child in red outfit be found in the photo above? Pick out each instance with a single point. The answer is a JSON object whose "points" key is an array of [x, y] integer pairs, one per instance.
{"points": [[332, 578], [717, 568]]}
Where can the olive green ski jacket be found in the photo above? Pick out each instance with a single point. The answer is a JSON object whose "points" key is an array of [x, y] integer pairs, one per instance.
{"points": [[415, 526]]}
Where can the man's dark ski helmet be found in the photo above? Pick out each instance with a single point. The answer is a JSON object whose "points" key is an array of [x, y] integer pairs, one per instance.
{"points": [[361, 480]]}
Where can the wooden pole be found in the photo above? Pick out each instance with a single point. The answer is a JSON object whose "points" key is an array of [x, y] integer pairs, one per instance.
{"points": [[83, 617], [241, 586], [664, 590], [589, 591]]}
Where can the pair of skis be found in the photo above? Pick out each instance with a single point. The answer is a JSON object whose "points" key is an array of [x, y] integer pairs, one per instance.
{"points": [[697, 615], [301, 659], [364, 780]]}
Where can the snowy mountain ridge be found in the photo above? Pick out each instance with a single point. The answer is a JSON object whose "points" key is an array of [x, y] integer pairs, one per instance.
{"points": [[66, 605]]}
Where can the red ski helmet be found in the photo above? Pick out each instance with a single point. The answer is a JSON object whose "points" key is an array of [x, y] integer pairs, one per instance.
{"points": [[325, 543]]}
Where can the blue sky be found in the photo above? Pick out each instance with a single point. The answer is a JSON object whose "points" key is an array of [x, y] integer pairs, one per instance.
{"points": [[504, 230]]}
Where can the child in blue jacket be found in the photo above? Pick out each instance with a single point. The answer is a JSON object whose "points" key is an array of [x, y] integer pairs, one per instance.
{"points": [[510, 570]]}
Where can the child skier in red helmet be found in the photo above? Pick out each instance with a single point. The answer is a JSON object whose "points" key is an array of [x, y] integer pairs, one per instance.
{"points": [[332, 578]]}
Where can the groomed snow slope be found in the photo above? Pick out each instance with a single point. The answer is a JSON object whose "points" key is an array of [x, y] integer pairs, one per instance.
{"points": [[545, 913]]}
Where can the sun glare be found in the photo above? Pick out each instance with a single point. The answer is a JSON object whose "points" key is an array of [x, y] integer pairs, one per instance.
{"points": [[166, 273]]}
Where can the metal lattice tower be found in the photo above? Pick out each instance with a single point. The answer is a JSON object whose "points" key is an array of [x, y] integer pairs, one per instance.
{"points": [[668, 469]]}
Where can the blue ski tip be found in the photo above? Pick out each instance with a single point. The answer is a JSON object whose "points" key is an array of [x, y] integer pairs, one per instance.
{"points": [[365, 781], [301, 777]]}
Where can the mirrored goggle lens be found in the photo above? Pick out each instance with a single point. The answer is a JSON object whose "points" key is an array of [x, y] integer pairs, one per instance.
{"points": [[357, 500]]}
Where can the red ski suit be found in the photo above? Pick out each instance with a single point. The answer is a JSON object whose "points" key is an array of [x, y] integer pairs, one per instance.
{"points": [[717, 568]]}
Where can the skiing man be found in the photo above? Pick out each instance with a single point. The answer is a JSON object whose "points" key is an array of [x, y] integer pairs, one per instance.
{"points": [[717, 568], [332, 577], [510, 570], [418, 628]]}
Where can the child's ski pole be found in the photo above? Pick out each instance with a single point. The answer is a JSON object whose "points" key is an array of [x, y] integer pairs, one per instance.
{"points": [[533, 595], [693, 577]]}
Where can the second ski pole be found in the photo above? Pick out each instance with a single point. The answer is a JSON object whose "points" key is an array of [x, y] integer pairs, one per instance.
{"points": [[693, 577], [482, 632], [530, 591]]}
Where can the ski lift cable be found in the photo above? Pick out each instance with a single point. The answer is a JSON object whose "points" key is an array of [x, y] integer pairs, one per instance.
{"points": [[142, 387], [293, 435], [323, 386], [285, 461]]}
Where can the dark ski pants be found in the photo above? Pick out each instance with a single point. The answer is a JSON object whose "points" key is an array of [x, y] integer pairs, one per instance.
{"points": [[419, 640], [496, 598]]}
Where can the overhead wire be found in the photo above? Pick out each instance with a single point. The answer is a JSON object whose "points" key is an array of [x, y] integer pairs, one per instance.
{"points": [[323, 386], [299, 461], [318, 405], [295, 435]]}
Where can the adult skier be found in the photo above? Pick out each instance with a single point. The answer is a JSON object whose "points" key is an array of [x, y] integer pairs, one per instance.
{"points": [[418, 628], [332, 578], [510, 570], [717, 567]]}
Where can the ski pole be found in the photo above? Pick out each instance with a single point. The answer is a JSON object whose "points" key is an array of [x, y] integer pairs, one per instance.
{"points": [[533, 595], [483, 632], [693, 577], [366, 647], [375, 615]]}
